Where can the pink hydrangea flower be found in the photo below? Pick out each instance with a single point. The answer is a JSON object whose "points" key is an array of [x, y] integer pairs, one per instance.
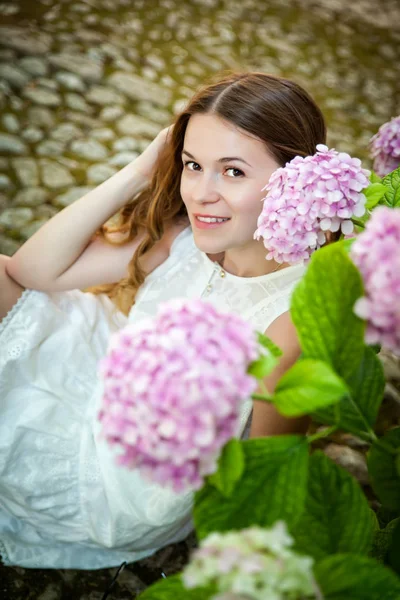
{"points": [[307, 197], [376, 252], [173, 390], [385, 147]]}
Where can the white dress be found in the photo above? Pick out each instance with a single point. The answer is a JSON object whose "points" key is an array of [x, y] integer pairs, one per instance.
{"points": [[63, 501]]}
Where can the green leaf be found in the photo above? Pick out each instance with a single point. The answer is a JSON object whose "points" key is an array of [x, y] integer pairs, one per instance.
{"points": [[336, 516], [269, 344], [352, 577], [393, 555], [382, 541], [374, 178], [263, 366], [172, 588], [392, 183], [382, 467], [230, 468], [322, 310], [307, 385], [272, 487], [374, 193], [357, 411]]}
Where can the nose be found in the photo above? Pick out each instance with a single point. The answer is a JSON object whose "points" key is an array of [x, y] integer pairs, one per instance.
{"points": [[205, 189]]}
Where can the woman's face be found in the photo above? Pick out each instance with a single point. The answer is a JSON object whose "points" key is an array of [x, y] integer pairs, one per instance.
{"points": [[224, 171]]}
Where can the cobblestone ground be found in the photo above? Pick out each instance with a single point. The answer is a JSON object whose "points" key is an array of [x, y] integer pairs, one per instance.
{"points": [[85, 85]]}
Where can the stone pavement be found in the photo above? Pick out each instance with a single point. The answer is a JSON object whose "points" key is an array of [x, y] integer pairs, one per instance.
{"points": [[84, 87]]}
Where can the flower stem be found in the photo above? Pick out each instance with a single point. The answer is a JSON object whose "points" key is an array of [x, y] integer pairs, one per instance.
{"points": [[321, 434]]}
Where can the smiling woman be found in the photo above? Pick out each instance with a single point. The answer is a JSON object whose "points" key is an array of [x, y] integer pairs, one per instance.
{"points": [[187, 213]]}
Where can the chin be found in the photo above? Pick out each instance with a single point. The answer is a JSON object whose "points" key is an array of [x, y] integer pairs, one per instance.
{"points": [[209, 246]]}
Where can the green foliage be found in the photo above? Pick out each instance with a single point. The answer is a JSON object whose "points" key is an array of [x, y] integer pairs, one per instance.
{"points": [[272, 487], [374, 193], [357, 411], [384, 469], [393, 555], [336, 515], [322, 311], [392, 184], [263, 366], [353, 577], [172, 588], [230, 468], [382, 541], [307, 385]]}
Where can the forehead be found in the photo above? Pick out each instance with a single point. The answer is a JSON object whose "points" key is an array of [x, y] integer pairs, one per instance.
{"points": [[213, 137]]}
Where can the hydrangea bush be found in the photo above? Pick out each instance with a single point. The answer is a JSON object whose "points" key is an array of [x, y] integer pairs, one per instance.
{"points": [[275, 517], [385, 147]]}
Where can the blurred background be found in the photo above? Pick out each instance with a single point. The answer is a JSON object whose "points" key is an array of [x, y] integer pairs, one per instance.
{"points": [[86, 84]]}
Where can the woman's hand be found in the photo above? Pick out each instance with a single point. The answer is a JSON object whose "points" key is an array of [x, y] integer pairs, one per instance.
{"points": [[144, 164]]}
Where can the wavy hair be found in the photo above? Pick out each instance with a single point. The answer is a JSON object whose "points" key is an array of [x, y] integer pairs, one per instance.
{"points": [[276, 110]]}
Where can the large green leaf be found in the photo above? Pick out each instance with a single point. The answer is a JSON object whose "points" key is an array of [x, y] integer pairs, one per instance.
{"points": [[172, 588], [307, 385], [374, 193], [357, 411], [322, 310], [230, 468], [383, 467], [352, 577], [382, 540], [272, 487], [336, 516], [392, 183], [393, 555]]}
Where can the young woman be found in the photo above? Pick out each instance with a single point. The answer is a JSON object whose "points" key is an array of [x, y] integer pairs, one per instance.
{"points": [[188, 209]]}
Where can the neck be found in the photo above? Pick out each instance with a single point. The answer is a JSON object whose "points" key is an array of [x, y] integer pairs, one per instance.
{"points": [[249, 262]]}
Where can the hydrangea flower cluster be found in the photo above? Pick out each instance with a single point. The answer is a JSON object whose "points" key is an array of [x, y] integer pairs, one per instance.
{"points": [[173, 390], [376, 253], [385, 147], [307, 197], [253, 563]]}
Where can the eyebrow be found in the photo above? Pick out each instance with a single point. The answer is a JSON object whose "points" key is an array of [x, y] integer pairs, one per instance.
{"points": [[221, 160]]}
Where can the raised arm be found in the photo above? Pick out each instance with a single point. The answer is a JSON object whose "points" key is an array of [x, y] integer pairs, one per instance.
{"points": [[58, 245]]}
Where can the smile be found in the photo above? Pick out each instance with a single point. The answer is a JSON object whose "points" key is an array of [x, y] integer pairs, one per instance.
{"points": [[210, 222]]}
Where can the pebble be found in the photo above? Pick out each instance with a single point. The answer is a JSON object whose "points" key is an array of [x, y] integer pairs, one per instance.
{"points": [[32, 135], [42, 96], [28, 230], [123, 158], [11, 144], [137, 88], [40, 116], [79, 64], [31, 196], [26, 171], [104, 96], [133, 125], [15, 76], [89, 149], [111, 113], [14, 218], [25, 41], [10, 122], [76, 102], [103, 134], [5, 183], [70, 81], [124, 143], [66, 132], [99, 173], [50, 148], [54, 175], [71, 196], [34, 66]]}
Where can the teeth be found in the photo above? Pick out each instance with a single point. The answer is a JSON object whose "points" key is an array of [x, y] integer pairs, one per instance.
{"points": [[211, 220]]}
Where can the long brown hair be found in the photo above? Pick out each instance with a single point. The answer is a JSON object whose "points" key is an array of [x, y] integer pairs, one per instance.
{"points": [[274, 109]]}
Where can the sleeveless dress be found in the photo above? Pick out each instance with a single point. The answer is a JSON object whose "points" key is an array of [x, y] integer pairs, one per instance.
{"points": [[63, 501]]}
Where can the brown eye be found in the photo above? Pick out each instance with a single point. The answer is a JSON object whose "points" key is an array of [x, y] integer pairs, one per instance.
{"points": [[235, 172]]}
